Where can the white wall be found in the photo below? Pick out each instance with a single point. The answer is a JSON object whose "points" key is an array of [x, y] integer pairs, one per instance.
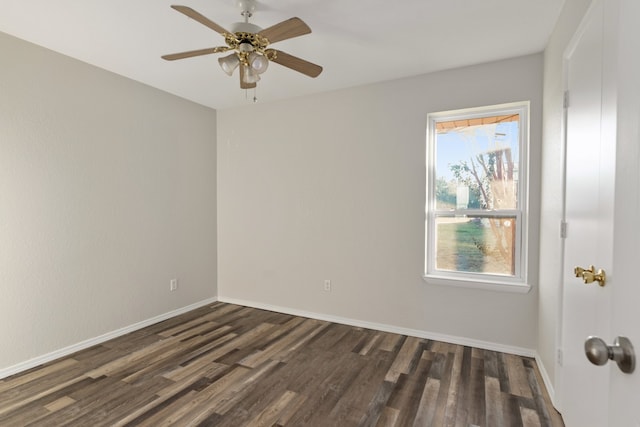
{"points": [[332, 187], [551, 213], [107, 191]]}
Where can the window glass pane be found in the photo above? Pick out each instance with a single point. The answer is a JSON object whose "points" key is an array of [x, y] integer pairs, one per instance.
{"points": [[476, 244], [476, 163]]}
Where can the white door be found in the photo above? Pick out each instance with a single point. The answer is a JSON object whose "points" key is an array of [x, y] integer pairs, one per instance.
{"points": [[624, 391], [589, 215], [602, 213]]}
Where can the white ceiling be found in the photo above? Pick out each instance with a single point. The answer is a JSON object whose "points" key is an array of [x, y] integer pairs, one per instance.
{"points": [[356, 41]]}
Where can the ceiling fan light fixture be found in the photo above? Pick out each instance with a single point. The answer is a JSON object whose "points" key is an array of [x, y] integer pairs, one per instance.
{"points": [[250, 75], [258, 62], [245, 47], [249, 44], [229, 63]]}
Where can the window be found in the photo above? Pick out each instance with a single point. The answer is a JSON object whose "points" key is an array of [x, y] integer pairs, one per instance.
{"points": [[476, 212]]}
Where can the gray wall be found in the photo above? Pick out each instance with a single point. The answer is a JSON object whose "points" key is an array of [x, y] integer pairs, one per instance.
{"points": [[107, 191], [332, 187]]}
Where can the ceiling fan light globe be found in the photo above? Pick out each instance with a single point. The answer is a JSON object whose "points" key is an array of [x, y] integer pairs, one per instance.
{"points": [[259, 63], [245, 47], [250, 75], [229, 63]]}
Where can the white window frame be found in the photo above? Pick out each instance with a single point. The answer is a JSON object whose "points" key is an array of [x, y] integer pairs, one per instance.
{"points": [[518, 282]]}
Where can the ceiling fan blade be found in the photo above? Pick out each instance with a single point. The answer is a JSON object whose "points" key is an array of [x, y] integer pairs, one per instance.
{"points": [[243, 84], [191, 53], [200, 18], [296, 64], [292, 27]]}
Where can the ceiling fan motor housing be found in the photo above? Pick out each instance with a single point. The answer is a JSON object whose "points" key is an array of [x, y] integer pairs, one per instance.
{"points": [[245, 27]]}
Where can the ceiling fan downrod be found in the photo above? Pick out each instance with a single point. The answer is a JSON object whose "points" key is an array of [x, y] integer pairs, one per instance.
{"points": [[247, 8]]}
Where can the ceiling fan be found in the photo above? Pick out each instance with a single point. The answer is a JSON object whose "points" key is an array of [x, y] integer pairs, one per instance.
{"points": [[249, 44]]}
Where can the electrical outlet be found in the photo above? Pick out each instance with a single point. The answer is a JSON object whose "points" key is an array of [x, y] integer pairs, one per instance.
{"points": [[327, 285], [173, 285]]}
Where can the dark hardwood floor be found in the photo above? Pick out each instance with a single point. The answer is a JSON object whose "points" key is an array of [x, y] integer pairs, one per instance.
{"points": [[227, 365]]}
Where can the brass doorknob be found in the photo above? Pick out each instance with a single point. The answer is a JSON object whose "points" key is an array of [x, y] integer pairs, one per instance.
{"points": [[590, 275]]}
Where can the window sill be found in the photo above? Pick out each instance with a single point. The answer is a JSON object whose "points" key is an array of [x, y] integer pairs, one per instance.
{"points": [[518, 288]]}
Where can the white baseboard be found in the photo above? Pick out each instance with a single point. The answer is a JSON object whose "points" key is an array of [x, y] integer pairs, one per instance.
{"points": [[32, 363], [547, 381], [520, 351]]}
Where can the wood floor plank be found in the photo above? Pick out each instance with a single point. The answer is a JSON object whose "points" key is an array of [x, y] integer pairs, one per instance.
{"points": [[476, 399], [463, 394], [491, 364], [270, 415], [438, 366], [124, 363], [503, 372], [493, 403], [142, 412], [257, 399], [518, 382], [389, 341], [389, 418], [195, 404], [529, 418], [296, 337], [58, 404], [511, 410], [407, 355], [210, 374], [427, 406], [32, 411], [239, 390], [35, 374], [191, 373], [108, 411], [8, 407], [408, 392], [287, 413], [455, 387], [226, 365], [323, 396], [183, 327], [356, 398], [28, 413], [369, 344], [377, 405], [215, 348], [168, 413], [328, 337]]}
